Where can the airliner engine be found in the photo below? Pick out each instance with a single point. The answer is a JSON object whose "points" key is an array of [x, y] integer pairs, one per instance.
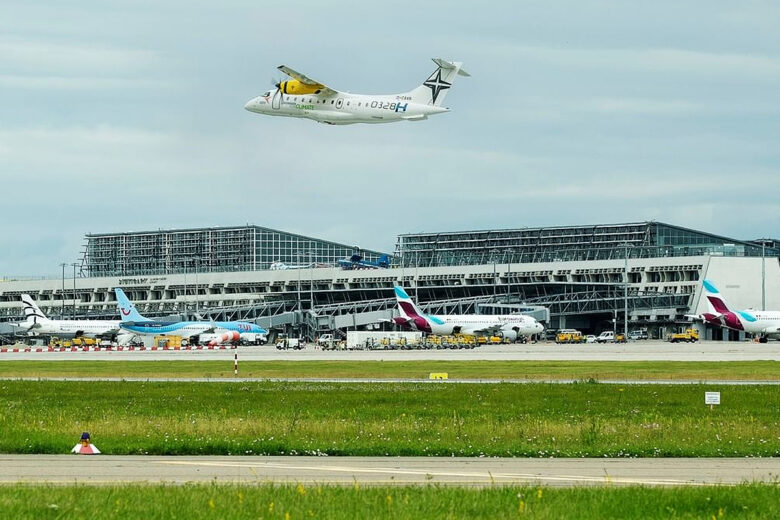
{"points": [[295, 87], [226, 337]]}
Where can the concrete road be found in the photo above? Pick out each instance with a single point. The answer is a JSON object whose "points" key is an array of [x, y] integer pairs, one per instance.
{"points": [[103, 469], [634, 351]]}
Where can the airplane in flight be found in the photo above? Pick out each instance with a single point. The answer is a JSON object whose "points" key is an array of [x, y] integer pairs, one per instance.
{"points": [[356, 261], [132, 321], [304, 97], [37, 323], [765, 324], [509, 326]]}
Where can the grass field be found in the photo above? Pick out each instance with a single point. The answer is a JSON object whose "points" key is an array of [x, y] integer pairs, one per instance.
{"points": [[289, 502], [535, 370], [572, 420]]}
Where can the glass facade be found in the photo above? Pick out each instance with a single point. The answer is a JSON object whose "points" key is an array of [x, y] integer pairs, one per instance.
{"points": [[570, 243], [247, 248]]}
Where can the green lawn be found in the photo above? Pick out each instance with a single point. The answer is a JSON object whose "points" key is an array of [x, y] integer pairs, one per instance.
{"points": [[289, 502], [572, 420], [580, 370]]}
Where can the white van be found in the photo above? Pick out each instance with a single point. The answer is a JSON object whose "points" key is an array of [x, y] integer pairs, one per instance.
{"points": [[606, 337]]}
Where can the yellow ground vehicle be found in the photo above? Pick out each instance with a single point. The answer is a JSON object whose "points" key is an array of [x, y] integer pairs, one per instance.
{"points": [[620, 338], [690, 335], [82, 341], [163, 341], [569, 336]]}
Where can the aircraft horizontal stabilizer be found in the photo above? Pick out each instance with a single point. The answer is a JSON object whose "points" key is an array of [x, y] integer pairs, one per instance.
{"points": [[451, 65]]}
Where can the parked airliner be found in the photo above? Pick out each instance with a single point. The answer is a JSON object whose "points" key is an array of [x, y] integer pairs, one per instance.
{"points": [[132, 321], [307, 98], [765, 324], [36, 322], [509, 326]]}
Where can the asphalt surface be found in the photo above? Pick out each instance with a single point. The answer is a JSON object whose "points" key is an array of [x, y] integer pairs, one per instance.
{"points": [[104, 469], [634, 351]]}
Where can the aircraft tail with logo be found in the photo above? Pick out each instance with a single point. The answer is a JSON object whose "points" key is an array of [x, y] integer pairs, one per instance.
{"points": [[435, 88], [127, 310], [410, 315], [715, 301], [33, 315], [719, 310]]}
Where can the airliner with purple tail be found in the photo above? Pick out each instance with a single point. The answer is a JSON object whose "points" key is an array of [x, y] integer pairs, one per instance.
{"points": [[510, 326], [765, 324]]}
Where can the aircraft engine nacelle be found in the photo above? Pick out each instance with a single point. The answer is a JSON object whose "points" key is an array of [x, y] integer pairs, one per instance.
{"points": [[510, 334], [296, 88], [226, 337]]}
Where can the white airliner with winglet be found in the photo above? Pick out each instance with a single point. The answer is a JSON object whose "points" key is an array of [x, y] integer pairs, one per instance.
{"points": [[509, 326], [36, 322], [302, 96]]}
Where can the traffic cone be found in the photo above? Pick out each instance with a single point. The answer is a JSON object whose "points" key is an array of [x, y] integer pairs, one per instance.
{"points": [[85, 447]]}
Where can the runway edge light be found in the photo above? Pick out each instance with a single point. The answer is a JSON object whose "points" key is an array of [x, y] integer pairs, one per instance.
{"points": [[85, 446]]}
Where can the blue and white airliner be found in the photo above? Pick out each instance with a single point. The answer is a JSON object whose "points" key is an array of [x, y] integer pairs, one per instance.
{"points": [[132, 321]]}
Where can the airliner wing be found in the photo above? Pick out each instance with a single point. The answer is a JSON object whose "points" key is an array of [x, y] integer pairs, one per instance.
{"points": [[487, 331], [306, 80]]}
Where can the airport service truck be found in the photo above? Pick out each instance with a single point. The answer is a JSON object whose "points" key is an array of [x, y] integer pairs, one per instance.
{"points": [[358, 339]]}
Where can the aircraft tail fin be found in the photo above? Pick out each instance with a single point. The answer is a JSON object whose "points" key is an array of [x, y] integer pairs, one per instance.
{"points": [[32, 312], [127, 310], [434, 89], [715, 301], [406, 306]]}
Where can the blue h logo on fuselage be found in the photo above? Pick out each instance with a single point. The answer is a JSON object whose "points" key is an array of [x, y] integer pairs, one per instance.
{"points": [[399, 107]]}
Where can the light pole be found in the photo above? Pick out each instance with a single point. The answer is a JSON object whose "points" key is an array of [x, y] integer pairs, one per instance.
{"points": [[508, 275], [300, 307], [311, 280], [185, 290], [416, 278], [625, 294], [62, 312], [197, 268], [763, 275], [493, 253], [74, 264]]}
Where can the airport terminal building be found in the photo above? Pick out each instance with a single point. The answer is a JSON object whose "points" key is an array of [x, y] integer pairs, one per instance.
{"points": [[586, 277]]}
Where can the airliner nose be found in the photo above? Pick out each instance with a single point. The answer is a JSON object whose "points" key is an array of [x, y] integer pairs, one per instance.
{"points": [[250, 104]]}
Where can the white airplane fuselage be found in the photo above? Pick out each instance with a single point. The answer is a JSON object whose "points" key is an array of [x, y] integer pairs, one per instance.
{"points": [[511, 326], [72, 328], [343, 108]]}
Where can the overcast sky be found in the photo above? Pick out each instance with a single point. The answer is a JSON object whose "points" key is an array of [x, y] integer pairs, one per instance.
{"points": [[119, 116]]}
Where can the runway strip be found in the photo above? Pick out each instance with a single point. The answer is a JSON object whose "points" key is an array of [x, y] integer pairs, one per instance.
{"points": [[652, 350], [356, 380], [103, 469]]}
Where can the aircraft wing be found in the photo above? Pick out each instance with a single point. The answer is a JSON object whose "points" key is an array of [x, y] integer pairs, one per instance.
{"points": [[306, 80], [486, 331]]}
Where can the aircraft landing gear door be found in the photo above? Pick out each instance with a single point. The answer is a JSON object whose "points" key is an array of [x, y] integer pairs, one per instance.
{"points": [[276, 101], [339, 103]]}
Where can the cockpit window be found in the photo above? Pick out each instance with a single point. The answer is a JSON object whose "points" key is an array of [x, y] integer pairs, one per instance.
{"points": [[267, 94]]}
